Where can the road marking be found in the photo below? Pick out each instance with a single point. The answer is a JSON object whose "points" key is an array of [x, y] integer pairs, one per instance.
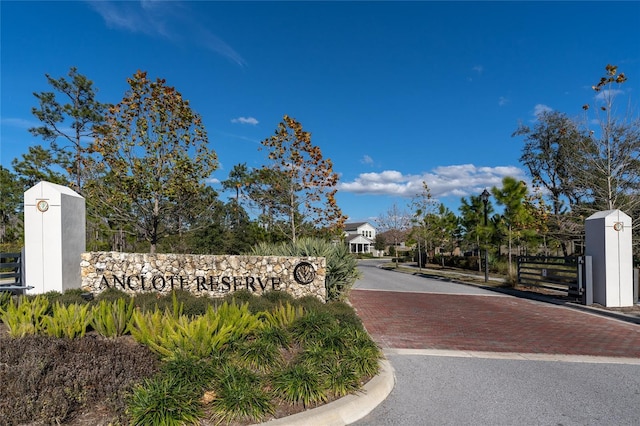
{"points": [[514, 356]]}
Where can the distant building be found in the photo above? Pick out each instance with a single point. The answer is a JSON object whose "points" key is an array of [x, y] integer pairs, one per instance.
{"points": [[360, 237]]}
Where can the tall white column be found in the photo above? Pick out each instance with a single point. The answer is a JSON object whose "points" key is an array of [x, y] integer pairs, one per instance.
{"points": [[608, 242], [54, 237]]}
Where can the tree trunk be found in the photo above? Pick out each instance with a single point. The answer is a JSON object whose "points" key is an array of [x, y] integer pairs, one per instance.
{"points": [[509, 257]]}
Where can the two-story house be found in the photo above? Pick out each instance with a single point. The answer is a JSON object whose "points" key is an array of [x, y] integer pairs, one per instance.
{"points": [[360, 237]]}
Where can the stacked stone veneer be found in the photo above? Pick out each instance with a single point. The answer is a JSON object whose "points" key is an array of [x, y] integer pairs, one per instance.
{"points": [[209, 275]]}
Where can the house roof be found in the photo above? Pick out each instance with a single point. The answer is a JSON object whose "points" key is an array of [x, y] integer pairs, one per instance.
{"points": [[355, 225], [357, 238]]}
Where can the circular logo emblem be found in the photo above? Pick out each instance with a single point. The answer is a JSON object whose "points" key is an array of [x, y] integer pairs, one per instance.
{"points": [[304, 273], [42, 205], [618, 226]]}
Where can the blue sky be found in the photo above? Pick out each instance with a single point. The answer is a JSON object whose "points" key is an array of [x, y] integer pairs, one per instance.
{"points": [[395, 93]]}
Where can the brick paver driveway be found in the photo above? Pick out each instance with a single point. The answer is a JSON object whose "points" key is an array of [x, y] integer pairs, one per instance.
{"points": [[469, 322]]}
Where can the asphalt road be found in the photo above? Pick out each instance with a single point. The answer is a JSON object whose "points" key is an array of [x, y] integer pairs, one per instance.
{"points": [[374, 278], [498, 389]]}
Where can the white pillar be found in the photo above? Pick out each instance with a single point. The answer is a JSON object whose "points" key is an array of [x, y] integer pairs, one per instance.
{"points": [[608, 242], [54, 237]]}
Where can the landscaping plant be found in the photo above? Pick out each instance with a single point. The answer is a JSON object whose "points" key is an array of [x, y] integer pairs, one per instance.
{"points": [[229, 363], [24, 316], [164, 401], [240, 395], [112, 318], [68, 321], [342, 266], [299, 383]]}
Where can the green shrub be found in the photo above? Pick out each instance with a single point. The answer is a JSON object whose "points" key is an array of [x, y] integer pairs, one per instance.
{"points": [[311, 303], [276, 335], [344, 313], [68, 297], [146, 326], [335, 339], [240, 396], [340, 377], [278, 297], [111, 319], [162, 401], [191, 304], [5, 298], [169, 335], [239, 297], [68, 321], [242, 321], [342, 272], [312, 325], [313, 354], [188, 370], [25, 315], [255, 303], [342, 266], [261, 355], [363, 354], [111, 294], [299, 383], [282, 315], [146, 301], [172, 337]]}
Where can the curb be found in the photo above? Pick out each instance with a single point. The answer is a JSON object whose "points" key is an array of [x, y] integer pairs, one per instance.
{"points": [[348, 409]]}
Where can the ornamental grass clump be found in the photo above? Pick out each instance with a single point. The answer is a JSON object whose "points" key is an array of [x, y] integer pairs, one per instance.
{"points": [[299, 384], [335, 339], [68, 297], [340, 378], [192, 371], [68, 321], [342, 266], [112, 318], [277, 335], [5, 298], [230, 363], [363, 354], [282, 315], [344, 314], [25, 315], [261, 355], [312, 325], [164, 401], [170, 335], [239, 395]]}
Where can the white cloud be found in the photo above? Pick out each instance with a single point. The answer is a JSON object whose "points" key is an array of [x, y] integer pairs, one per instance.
{"points": [[540, 109], [143, 17], [502, 101], [446, 181], [608, 94], [169, 20], [20, 122], [245, 120], [366, 160], [478, 68]]}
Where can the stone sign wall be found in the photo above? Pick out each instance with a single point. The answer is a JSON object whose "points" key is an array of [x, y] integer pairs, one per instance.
{"points": [[209, 275]]}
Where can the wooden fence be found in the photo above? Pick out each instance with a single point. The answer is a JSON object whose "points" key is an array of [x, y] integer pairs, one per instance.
{"points": [[553, 273]]}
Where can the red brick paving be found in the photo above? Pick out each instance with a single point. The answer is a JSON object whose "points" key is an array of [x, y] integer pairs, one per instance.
{"points": [[491, 324]]}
